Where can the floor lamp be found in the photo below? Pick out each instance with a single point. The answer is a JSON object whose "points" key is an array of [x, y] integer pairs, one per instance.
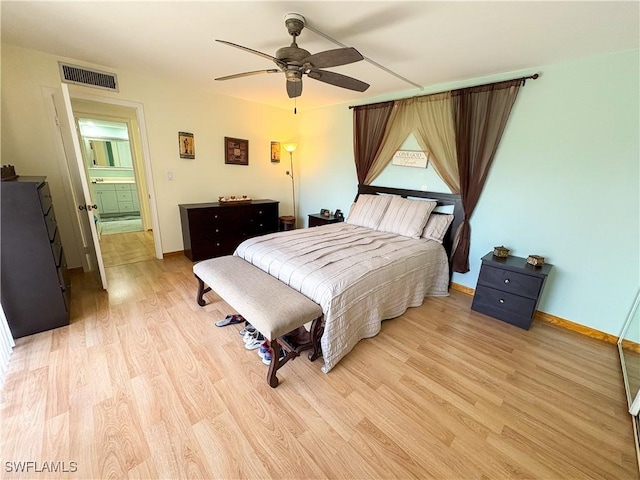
{"points": [[291, 147]]}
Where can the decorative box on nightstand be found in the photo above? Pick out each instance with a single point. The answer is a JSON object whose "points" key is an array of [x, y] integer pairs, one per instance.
{"points": [[509, 289], [316, 219]]}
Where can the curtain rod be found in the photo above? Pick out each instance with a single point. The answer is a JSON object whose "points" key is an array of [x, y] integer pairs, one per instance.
{"points": [[523, 79]]}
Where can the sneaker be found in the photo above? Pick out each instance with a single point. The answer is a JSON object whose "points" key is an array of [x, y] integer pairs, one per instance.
{"points": [[264, 348], [269, 353], [246, 328], [255, 341], [249, 334]]}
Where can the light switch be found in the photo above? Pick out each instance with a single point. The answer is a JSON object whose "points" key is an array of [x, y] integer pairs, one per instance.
{"points": [[170, 175]]}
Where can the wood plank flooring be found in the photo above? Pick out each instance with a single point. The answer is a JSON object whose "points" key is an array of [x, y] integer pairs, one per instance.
{"points": [[124, 248], [143, 385]]}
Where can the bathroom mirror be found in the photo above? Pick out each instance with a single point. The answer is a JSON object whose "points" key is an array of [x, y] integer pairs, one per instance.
{"points": [[103, 153], [105, 144], [629, 348]]}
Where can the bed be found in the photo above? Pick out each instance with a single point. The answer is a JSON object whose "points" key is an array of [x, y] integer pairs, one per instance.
{"points": [[370, 268]]}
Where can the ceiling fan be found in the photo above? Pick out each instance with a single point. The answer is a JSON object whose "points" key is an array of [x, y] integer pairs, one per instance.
{"points": [[294, 62]]}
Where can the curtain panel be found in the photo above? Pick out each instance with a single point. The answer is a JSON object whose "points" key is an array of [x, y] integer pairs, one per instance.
{"points": [[435, 131], [480, 116], [369, 127], [400, 125]]}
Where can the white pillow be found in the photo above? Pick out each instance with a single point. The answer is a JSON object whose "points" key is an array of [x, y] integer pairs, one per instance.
{"points": [[368, 210], [406, 217], [436, 227]]}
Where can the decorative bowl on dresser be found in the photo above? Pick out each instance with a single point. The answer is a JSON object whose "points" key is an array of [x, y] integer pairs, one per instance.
{"points": [[33, 269], [509, 289]]}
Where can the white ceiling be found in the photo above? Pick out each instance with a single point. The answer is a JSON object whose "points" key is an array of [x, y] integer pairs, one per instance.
{"points": [[427, 42]]}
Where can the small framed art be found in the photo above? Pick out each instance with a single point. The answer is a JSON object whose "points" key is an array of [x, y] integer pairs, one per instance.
{"points": [[186, 145], [236, 151], [275, 152]]}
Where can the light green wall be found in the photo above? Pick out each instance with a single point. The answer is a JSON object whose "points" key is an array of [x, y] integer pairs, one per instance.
{"points": [[564, 183]]}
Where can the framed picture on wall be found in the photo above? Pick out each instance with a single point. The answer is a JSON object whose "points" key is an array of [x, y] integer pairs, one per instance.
{"points": [[186, 145], [236, 151], [275, 152]]}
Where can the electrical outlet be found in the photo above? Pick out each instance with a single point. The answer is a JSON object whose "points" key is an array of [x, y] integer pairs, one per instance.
{"points": [[424, 188], [170, 176]]}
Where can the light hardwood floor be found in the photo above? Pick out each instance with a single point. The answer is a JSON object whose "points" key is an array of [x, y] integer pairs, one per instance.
{"points": [[124, 248], [143, 385]]}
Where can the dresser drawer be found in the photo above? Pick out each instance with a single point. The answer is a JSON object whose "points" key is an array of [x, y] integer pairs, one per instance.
{"points": [[201, 250], [50, 221], [504, 306], [56, 248], [123, 187], [45, 197], [509, 281]]}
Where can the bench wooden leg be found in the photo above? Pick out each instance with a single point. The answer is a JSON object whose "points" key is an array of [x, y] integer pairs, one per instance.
{"points": [[277, 346], [274, 365], [201, 291]]}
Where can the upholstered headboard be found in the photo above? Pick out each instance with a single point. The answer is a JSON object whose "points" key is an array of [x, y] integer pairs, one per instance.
{"points": [[442, 199]]}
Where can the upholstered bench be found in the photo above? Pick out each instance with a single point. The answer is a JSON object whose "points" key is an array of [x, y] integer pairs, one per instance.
{"points": [[270, 305]]}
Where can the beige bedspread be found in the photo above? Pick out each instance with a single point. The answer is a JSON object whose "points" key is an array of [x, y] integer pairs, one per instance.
{"points": [[358, 276]]}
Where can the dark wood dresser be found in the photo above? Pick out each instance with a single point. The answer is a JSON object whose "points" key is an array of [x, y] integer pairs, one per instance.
{"points": [[35, 285], [509, 289], [213, 229]]}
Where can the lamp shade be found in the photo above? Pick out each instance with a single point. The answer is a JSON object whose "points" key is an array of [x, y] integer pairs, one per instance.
{"points": [[290, 147]]}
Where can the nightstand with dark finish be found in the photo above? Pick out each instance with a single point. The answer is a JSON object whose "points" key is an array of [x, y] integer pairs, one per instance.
{"points": [[316, 220], [509, 289]]}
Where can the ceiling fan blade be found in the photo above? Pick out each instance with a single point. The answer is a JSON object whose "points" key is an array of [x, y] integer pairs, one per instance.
{"points": [[294, 89], [338, 80], [247, 74], [255, 52], [334, 58]]}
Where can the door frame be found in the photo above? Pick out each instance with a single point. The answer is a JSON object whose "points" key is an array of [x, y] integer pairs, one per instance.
{"points": [[146, 160]]}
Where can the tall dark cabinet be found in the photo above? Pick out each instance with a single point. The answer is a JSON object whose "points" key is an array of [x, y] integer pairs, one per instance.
{"points": [[215, 229], [34, 284]]}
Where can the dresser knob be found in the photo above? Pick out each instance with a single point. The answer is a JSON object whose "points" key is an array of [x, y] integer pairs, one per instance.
{"points": [[506, 280], [501, 301], [217, 244], [217, 231]]}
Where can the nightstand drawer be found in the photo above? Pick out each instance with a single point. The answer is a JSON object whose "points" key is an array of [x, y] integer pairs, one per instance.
{"points": [[509, 281], [504, 306]]}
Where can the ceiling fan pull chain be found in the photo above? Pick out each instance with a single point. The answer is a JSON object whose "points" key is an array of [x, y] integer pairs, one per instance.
{"points": [[295, 106]]}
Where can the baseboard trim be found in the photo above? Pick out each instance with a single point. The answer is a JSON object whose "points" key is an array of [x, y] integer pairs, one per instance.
{"points": [[462, 288], [562, 322], [172, 254]]}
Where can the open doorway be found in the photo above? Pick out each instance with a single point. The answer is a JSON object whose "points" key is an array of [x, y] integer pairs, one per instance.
{"points": [[115, 173]]}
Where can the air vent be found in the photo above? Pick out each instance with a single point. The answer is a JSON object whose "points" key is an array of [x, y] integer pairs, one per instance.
{"points": [[89, 78]]}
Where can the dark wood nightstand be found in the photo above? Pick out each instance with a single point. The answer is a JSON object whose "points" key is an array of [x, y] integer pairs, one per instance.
{"points": [[509, 289], [315, 220]]}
